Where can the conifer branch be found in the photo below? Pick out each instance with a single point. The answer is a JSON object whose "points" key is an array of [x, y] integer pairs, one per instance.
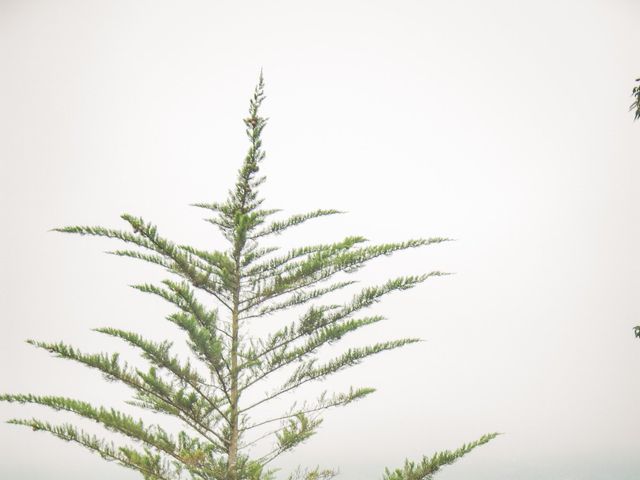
{"points": [[636, 100], [372, 295], [218, 260], [147, 257], [295, 431], [213, 206], [314, 318], [208, 350], [428, 466], [323, 403], [183, 263], [182, 296], [353, 356], [319, 337], [312, 474], [300, 298], [308, 372], [151, 467], [320, 267], [292, 221], [158, 354], [145, 236], [151, 388], [118, 422], [280, 266], [256, 253], [200, 326]]}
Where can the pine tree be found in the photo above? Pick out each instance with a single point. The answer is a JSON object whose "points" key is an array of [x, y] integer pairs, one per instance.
{"points": [[205, 391]]}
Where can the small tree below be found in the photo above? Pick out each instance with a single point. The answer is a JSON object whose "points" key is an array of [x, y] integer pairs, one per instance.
{"points": [[636, 102]]}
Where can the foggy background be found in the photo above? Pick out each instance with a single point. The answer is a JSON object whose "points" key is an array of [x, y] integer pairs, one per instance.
{"points": [[501, 124]]}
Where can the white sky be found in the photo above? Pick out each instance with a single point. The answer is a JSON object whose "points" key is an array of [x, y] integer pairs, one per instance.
{"points": [[501, 124]]}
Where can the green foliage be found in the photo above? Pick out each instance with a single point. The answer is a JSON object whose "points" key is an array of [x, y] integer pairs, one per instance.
{"points": [[637, 331], [636, 102], [205, 389], [428, 466]]}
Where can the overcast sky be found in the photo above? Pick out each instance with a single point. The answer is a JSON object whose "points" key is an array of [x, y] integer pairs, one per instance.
{"points": [[501, 124]]}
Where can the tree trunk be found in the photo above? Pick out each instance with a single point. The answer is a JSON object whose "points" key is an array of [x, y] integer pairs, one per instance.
{"points": [[232, 472]]}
